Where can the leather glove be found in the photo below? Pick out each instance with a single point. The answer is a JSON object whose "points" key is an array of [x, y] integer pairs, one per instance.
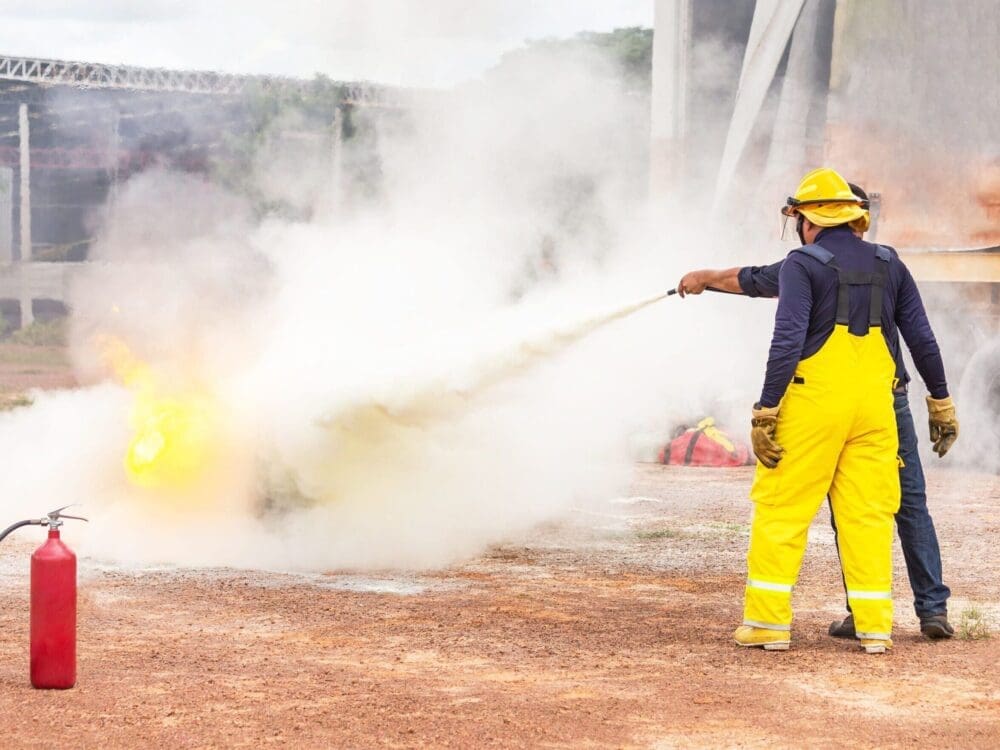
{"points": [[762, 427], [943, 423]]}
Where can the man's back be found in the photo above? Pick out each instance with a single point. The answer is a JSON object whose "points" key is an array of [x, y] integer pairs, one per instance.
{"points": [[807, 310]]}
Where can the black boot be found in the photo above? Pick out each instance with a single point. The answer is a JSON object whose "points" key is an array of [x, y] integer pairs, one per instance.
{"points": [[843, 628], [936, 626]]}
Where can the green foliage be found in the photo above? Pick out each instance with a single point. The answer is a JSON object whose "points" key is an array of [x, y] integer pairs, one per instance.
{"points": [[49, 333], [630, 49], [34, 357], [652, 534], [974, 624], [270, 106], [266, 107], [316, 102], [732, 528], [11, 401], [66, 252]]}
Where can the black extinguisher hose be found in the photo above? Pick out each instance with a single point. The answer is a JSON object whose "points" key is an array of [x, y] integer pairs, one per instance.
{"points": [[19, 524]]}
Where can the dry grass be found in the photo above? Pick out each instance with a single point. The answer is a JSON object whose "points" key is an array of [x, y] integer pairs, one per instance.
{"points": [[11, 401], [974, 624], [650, 534], [49, 333], [33, 356]]}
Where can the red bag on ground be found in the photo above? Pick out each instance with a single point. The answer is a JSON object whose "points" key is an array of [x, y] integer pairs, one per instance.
{"points": [[705, 445]]}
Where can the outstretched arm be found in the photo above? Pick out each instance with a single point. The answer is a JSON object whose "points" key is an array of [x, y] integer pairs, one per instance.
{"points": [[753, 281], [696, 282]]}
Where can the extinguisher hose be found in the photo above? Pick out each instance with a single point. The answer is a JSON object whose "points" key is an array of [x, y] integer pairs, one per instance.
{"points": [[19, 524]]}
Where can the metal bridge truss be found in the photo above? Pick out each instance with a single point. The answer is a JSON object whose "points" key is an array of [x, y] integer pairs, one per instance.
{"points": [[96, 75]]}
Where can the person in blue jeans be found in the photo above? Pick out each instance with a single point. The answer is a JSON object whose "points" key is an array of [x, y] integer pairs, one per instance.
{"points": [[913, 521]]}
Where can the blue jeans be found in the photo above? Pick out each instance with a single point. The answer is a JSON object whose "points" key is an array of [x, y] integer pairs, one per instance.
{"points": [[913, 522]]}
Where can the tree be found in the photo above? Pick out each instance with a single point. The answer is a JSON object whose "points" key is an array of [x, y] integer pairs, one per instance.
{"points": [[629, 49], [266, 109]]}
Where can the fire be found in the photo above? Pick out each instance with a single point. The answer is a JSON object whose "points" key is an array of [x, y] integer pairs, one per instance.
{"points": [[175, 431], [174, 440]]}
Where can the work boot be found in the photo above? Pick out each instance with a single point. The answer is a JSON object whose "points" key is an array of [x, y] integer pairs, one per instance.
{"points": [[843, 628], [876, 645], [769, 640], [936, 627]]}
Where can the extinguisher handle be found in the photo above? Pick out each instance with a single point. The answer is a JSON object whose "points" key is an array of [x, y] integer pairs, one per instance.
{"points": [[54, 517]]}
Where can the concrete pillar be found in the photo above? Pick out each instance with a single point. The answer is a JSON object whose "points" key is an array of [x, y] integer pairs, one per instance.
{"points": [[772, 26], [27, 318], [6, 215], [337, 161], [25, 183], [27, 314], [114, 142], [797, 138], [668, 107]]}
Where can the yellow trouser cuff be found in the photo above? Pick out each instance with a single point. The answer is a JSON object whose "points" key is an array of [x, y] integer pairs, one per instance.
{"points": [[874, 636], [766, 625]]}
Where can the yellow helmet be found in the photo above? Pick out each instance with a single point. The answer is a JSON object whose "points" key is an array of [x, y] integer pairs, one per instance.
{"points": [[825, 198]]}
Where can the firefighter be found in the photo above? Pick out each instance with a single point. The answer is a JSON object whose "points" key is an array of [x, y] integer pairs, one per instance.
{"points": [[915, 526], [824, 424]]}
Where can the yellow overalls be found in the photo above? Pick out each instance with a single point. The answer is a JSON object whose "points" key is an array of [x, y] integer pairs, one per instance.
{"points": [[838, 428]]}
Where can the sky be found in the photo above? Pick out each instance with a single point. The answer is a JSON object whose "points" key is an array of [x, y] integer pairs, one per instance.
{"points": [[404, 42]]}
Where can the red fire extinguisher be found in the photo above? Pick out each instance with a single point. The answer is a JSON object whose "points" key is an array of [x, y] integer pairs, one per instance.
{"points": [[53, 605]]}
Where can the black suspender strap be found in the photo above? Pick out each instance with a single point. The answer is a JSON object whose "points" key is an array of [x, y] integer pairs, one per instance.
{"points": [[877, 280], [848, 279], [818, 252], [880, 280]]}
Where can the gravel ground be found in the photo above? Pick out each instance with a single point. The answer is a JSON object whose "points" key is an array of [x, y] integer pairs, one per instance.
{"points": [[609, 629]]}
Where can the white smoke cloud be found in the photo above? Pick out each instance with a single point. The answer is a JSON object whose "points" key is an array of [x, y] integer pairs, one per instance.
{"points": [[354, 360], [427, 43]]}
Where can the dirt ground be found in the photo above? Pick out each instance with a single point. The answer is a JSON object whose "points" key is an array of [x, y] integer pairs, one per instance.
{"points": [[25, 367], [610, 628]]}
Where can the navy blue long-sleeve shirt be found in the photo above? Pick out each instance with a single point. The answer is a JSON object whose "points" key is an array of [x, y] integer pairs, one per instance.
{"points": [[807, 312]]}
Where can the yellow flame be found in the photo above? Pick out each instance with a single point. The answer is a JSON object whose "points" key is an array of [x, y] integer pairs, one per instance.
{"points": [[174, 441], [176, 432]]}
